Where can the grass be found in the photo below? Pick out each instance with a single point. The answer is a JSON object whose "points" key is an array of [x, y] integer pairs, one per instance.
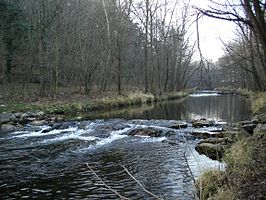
{"points": [[208, 183], [73, 101], [245, 174], [259, 103], [240, 91]]}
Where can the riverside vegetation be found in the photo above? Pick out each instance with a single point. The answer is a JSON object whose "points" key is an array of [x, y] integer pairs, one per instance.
{"points": [[244, 177]]}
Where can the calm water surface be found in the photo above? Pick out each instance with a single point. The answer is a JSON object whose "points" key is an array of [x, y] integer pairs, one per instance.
{"points": [[230, 108], [49, 162]]}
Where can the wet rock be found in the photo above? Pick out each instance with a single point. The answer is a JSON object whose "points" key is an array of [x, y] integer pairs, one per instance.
{"points": [[171, 142], [7, 117], [249, 128], [145, 132], [260, 131], [5, 128], [40, 114], [28, 115], [47, 130], [255, 119], [179, 125], [213, 151], [208, 134], [38, 123], [170, 134], [221, 141], [82, 125], [199, 123], [66, 125]]}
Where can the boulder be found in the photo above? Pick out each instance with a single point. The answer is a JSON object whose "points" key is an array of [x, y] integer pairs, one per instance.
{"points": [[5, 128], [199, 123], [38, 123], [7, 117], [260, 131], [213, 151], [145, 132], [208, 134], [178, 125], [249, 127], [223, 141]]}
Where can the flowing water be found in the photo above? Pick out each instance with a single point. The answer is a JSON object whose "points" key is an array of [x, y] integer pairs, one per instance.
{"points": [[51, 162]]}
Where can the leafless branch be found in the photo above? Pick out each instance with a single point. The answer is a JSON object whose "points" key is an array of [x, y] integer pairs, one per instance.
{"points": [[114, 191]]}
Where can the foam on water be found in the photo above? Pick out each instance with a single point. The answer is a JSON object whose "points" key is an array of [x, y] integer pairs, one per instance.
{"points": [[204, 95], [41, 134]]}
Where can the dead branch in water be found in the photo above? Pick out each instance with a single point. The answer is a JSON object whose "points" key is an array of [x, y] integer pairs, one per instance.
{"points": [[114, 191], [147, 191]]}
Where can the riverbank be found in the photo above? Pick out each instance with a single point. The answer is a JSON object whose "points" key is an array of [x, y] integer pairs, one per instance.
{"points": [[245, 176], [13, 115], [88, 104], [239, 91]]}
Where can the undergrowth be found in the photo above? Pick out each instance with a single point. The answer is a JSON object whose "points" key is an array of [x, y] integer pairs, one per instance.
{"points": [[245, 175]]}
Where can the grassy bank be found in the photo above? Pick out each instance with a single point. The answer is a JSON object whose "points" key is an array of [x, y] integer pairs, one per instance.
{"points": [[239, 91], [245, 175], [87, 104]]}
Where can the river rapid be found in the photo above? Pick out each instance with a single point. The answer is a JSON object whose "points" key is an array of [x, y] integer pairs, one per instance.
{"points": [[51, 162]]}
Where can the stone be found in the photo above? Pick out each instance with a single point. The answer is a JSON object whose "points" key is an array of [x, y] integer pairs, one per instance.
{"points": [[223, 141], [199, 123], [38, 123], [40, 114], [5, 128], [7, 117], [207, 134], [145, 132], [260, 131], [179, 125], [255, 119], [249, 128], [213, 151]]}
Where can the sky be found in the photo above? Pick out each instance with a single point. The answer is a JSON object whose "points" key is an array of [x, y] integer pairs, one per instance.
{"points": [[211, 32]]}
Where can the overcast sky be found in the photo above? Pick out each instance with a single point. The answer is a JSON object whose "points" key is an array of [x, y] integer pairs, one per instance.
{"points": [[212, 31]]}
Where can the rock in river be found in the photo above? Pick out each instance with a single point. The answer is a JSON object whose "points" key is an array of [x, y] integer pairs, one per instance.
{"points": [[145, 132], [198, 123], [7, 117], [213, 151], [7, 128]]}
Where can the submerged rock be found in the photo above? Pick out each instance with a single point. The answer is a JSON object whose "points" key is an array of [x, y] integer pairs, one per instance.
{"points": [[145, 132]]}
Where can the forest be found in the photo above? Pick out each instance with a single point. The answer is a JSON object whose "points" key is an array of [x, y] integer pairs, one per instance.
{"points": [[99, 46], [118, 99]]}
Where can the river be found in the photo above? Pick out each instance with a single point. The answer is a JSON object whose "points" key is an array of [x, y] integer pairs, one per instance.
{"points": [[50, 162]]}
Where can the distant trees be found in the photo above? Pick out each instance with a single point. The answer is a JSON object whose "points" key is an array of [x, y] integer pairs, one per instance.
{"points": [[12, 32], [246, 57], [116, 45]]}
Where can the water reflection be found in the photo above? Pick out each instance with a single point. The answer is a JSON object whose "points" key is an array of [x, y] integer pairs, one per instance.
{"points": [[230, 108]]}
